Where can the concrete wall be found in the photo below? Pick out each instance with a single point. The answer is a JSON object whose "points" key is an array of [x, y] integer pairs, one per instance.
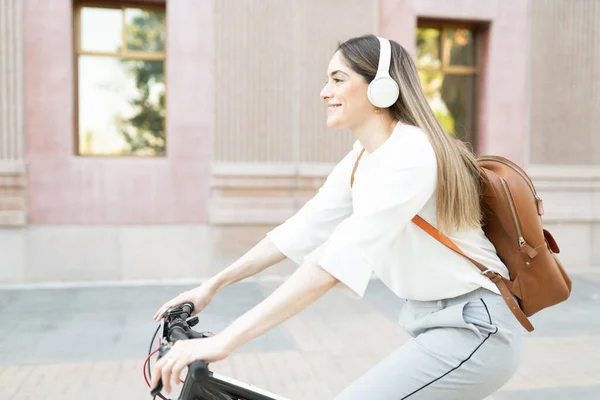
{"points": [[73, 253]]}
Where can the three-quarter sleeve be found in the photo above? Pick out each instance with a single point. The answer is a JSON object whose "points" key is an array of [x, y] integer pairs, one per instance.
{"points": [[388, 196], [314, 223]]}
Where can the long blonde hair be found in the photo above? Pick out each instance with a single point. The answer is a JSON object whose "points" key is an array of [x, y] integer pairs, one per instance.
{"points": [[458, 187]]}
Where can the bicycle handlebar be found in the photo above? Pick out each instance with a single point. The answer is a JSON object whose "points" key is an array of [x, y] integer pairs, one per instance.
{"points": [[176, 326], [200, 383]]}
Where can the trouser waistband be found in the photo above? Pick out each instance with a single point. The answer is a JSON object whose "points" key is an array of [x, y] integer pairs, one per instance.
{"points": [[475, 294]]}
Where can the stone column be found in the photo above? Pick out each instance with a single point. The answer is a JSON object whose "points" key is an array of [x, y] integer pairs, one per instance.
{"points": [[12, 164]]}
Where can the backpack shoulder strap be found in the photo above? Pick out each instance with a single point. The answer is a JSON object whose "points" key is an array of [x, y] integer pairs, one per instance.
{"points": [[491, 275]]}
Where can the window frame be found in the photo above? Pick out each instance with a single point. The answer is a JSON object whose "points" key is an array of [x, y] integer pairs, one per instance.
{"points": [[446, 69], [125, 54]]}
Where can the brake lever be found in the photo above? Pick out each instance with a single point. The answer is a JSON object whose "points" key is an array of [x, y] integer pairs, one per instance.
{"points": [[192, 321]]}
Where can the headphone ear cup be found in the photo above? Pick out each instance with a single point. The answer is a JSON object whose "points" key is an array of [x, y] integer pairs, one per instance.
{"points": [[383, 92]]}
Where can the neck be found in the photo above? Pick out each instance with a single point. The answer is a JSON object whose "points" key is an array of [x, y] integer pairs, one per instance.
{"points": [[375, 131]]}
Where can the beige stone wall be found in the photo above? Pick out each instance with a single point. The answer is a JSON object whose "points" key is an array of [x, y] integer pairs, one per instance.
{"points": [[12, 165], [98, 253], [565, 82], [564, 115], [571, 196], [271, 147]]}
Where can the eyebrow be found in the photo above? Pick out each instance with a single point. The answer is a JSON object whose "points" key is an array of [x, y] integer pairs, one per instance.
{"points": [[336, 71]]}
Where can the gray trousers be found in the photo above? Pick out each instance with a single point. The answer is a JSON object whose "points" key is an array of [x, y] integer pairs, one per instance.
{"points": [[463, 348]]}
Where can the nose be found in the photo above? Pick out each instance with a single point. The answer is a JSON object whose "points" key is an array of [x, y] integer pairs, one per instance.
{"points": [[326, 92]]}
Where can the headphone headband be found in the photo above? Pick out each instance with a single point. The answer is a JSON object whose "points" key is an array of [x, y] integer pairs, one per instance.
{"points": [[385, 55]]}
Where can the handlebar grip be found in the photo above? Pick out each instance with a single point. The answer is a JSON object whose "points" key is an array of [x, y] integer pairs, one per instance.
{"points": [[157, 389], [177, 333], [198, 370], [193, 385], [187, 308]]}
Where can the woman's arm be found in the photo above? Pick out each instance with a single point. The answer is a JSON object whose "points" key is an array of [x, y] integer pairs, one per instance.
{"points": [[258, 258], [310, 227], [302, 233], [294, 239], [304, 287]]}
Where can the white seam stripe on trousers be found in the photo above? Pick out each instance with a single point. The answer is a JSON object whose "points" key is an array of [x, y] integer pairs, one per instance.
{"points": [[464, 348]]}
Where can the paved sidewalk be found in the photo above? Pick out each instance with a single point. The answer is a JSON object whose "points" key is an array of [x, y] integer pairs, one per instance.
{"points": [[89, 343]]}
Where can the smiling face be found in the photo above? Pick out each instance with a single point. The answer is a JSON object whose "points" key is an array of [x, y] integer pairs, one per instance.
{"points": [[345, 95]]}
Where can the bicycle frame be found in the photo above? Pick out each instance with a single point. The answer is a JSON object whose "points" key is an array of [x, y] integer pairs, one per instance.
{"points": [[220, 387]]}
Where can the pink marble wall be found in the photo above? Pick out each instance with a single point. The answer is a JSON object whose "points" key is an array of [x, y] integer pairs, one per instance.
{"points": [[67, 189], [503, 114]]}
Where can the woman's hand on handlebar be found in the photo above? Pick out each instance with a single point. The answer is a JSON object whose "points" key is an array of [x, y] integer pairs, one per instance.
{"points": [[200, 296], [185, 352]]}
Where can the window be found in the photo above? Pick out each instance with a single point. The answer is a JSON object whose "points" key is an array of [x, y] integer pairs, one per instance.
{"points": [[446, 61], [120, 84]]}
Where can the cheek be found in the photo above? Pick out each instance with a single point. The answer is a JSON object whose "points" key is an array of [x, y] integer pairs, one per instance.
{"points": [[356, 99]]}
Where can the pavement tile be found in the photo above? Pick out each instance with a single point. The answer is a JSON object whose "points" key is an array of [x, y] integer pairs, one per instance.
{"points": [[88, 344]]}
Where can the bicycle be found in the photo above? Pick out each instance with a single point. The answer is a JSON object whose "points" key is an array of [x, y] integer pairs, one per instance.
{"points": [[200, 383]]}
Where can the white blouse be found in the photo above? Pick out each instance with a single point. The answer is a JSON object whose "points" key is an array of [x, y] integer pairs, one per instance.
{"points": [[355, 233]]}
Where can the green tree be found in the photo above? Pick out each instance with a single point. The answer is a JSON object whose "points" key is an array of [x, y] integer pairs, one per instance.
{"points": [[144, 132], [433, 80]]}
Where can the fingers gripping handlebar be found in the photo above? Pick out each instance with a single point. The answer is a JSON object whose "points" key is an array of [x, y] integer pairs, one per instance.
{"points": [[176, 326], [200, 383]]}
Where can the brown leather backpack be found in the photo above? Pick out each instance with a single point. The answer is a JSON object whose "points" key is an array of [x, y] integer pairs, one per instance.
{"points": [[512, 221]]}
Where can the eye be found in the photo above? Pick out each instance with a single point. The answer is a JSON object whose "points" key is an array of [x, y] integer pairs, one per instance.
{"points": [[336, 80]]}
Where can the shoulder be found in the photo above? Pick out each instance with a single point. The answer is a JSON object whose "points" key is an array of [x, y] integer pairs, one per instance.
{"points": [[409, 146], [412, 137]]}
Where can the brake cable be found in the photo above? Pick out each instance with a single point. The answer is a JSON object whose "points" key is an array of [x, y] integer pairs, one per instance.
{"points": [[147, 363]]}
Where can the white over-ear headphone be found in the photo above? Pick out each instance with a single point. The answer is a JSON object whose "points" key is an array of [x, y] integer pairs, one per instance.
{"points": [[383, 91]]}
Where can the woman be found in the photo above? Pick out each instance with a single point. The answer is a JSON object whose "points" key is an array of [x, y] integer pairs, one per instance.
{"points": [[466, 343]]}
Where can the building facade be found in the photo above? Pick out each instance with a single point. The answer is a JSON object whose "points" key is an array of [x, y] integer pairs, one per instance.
{"points": [[161, 139]]}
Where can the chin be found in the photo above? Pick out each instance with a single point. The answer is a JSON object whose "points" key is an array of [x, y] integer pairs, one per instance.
{"points": [[334, 123]]}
